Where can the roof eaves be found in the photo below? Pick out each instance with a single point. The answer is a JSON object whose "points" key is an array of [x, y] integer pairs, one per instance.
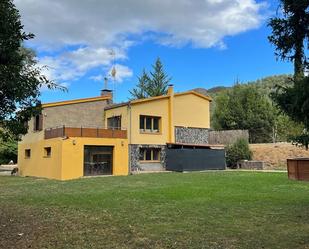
{"points": [[138, 101], [75, 101], [113, 106], [194, 93]]}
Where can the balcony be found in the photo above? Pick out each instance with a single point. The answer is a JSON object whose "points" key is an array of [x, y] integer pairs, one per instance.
{"points": [[64, 131]]}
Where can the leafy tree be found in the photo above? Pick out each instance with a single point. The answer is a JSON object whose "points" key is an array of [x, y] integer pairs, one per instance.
{"points": [[294, 101], [8, 151], [290, 33], [20, 78], [245, 107], [284, 128], [237, 151], [152, 85]]}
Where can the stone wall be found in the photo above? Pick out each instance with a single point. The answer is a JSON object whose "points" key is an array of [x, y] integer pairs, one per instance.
{"points": [[88, 114], [191, 135], [244, 164], [134, 153]]}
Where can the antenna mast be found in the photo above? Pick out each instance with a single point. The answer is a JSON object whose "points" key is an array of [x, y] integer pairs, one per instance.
{"points": [[113, 71], [105, 82]]}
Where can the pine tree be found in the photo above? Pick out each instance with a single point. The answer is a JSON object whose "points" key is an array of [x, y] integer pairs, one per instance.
{"points": [[141, 92], [159, 80], [290, 33], [154, 85]]}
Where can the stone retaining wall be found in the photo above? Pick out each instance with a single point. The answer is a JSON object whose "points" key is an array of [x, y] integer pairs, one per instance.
{"points": [[244, 164]]}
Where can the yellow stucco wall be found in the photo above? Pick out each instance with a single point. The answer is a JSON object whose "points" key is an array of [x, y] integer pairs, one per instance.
{"points": [[39, 165], [32, 136], [191, 111], [152, 108], [67, 157], [122, 111], [188, 110], [73, 159]]}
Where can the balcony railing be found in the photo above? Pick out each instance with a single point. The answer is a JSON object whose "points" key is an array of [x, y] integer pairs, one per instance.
{"points": [[65, 131]]}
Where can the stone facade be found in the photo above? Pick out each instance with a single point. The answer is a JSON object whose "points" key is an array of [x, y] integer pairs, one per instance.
{"points": [[191, 135], [87, 114], [134, 154]]}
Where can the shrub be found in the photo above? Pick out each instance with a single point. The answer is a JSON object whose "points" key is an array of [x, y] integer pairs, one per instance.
{"points": [[8, 151], [237, 151]]}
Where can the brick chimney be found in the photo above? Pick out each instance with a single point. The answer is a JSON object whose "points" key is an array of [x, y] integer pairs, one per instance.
{"points": [[106, 93], [170, 90]]}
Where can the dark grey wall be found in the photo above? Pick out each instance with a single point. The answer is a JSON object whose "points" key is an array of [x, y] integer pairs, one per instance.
{"points": [[194, 159]]}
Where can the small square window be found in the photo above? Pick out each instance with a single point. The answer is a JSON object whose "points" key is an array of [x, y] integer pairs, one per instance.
{"points": [[47, 152], [149, 124], [149, 154], [27, 153]]}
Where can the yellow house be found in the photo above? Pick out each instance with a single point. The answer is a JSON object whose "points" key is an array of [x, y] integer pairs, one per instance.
{"points": [[152, 123], [93, 136], [68, 140]]}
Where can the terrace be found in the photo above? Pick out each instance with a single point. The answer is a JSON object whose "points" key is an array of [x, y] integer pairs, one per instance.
{"points": [[64, 131]]}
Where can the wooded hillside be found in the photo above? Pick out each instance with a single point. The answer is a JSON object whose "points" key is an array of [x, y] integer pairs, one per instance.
{"points": [[249, 106]]}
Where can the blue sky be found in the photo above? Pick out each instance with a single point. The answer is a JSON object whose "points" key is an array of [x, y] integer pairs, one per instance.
{"points": [[230, 50]]}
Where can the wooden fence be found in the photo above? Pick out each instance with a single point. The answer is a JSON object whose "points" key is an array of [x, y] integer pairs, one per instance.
{"points": [[227, 136]]}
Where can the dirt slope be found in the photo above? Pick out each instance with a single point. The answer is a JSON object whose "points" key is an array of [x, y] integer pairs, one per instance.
{"points": [[275, 155]]}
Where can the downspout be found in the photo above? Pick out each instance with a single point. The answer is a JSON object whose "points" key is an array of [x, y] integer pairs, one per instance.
{"points": [[171, 134], [130, 133]]}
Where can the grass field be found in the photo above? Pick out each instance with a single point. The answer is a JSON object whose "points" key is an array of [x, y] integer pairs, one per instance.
{"points": [[166, 210]]}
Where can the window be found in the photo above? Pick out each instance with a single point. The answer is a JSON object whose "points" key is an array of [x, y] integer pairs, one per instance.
{"points": [[47, 152], [149, 154], [114, 122], [27, 153], [38, 122], [149, 124]]}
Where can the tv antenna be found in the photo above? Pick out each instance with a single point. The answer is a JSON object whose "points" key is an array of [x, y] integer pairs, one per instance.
{"points": [[113, 71]]}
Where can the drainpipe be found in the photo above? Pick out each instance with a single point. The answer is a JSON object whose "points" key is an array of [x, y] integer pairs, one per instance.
{"points": [[171, 133], [129, 142]]}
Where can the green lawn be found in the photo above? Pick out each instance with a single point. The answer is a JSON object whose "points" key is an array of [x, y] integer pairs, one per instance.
{"points": [[166, 210]]}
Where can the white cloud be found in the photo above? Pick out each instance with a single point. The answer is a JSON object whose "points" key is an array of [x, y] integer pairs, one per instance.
{"points": [[94, 26], [122, 72], [74, 64], [99, 77]]}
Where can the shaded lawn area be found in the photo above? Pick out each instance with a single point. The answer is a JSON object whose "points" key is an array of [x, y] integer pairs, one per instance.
{"points": [[164, 210]]}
